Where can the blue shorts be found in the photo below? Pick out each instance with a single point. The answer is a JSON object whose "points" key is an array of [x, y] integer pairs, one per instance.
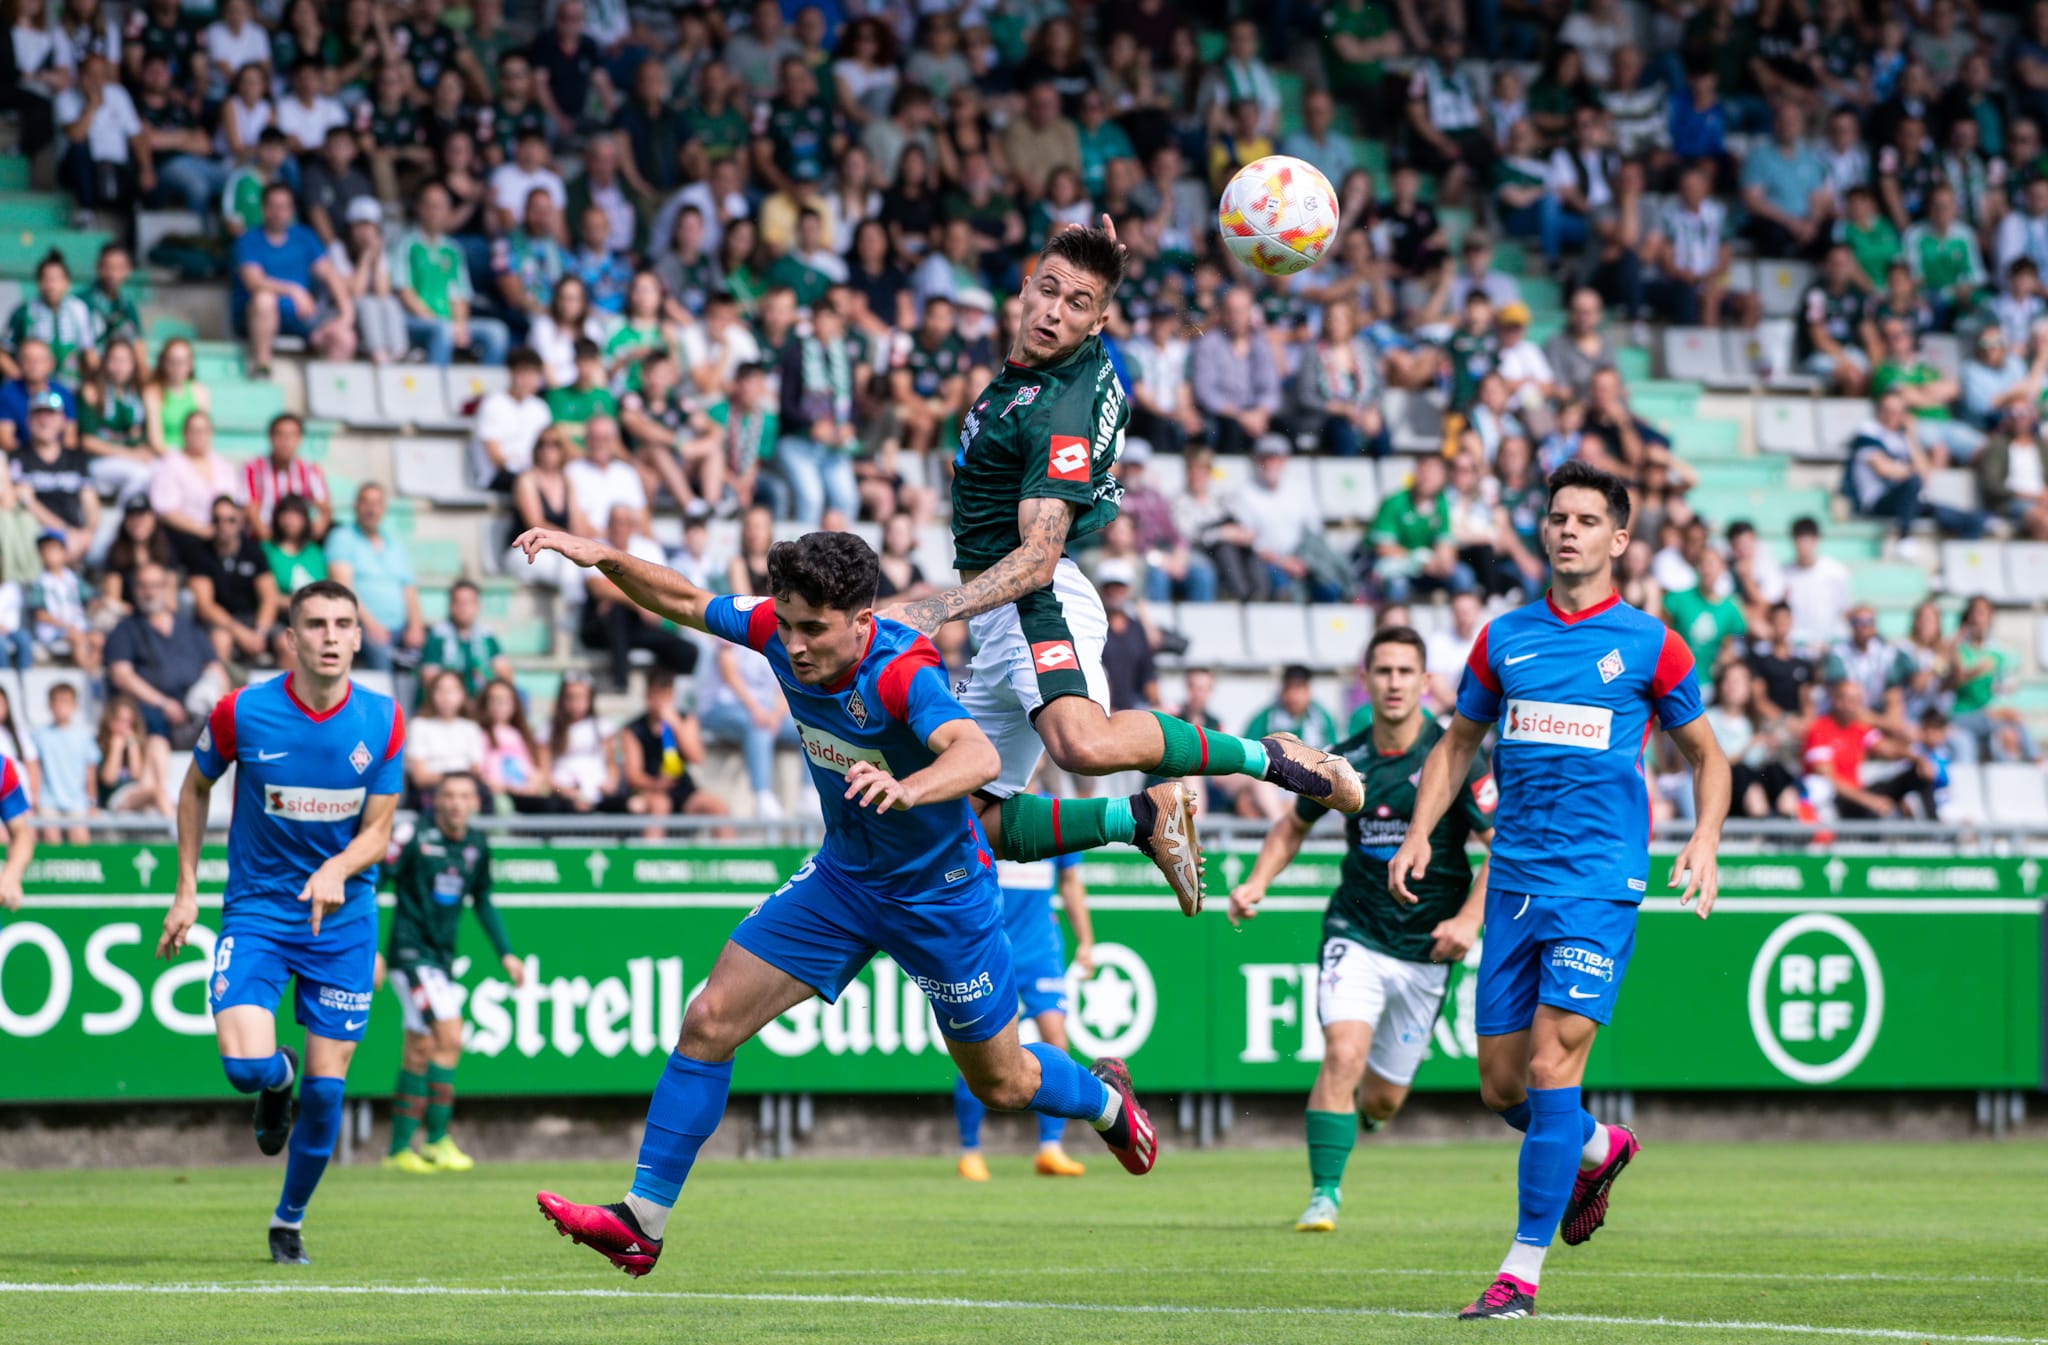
{"points": [[1567, 952], [822, 930], [1040, 955], [334, 973]]}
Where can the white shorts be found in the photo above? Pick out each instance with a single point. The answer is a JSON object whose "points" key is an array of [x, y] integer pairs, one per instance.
{"points": [[427, 997], [1047, 644], [1398, 1000]]}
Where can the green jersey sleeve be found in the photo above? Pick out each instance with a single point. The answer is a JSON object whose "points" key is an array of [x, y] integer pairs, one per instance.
{"points": [[480, 897], [1061, 445]]}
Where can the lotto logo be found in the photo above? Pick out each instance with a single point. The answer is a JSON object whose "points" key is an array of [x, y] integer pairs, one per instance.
{"points": [[1068, 460], [1053, 655]]}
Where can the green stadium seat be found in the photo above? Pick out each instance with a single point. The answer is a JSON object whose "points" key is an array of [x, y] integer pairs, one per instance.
{"points": [[1772, 510], [21, 249], [540, 687], [527, 639], [33, 210], [1742, 473], [1884, 583], [1511, 261], [438, 556], [1541, 293], [1634, 364], [239, 404], [13, 173], [158, 328]]}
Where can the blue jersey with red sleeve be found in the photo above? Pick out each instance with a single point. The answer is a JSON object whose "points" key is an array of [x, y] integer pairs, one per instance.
{"points": [[1575, 696], [883, 710], [13, 790], [301, 783]]}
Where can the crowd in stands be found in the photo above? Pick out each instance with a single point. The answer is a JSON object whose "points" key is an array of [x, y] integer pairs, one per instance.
{"points": [[747, 263]]}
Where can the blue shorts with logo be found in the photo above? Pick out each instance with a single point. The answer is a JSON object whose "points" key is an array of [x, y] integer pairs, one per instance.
{"points": [[1567, 952], [1040, 955], [822, 929], [333, 973]]}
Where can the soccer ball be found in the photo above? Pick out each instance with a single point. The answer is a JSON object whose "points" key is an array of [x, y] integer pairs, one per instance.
{"points": [[1278, 215]]}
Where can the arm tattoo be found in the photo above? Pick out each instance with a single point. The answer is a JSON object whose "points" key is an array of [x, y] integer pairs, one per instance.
{"points": [[1044, 542]]}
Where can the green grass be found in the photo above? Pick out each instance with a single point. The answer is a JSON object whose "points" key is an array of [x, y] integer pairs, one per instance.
{"points": [[1721, 1242]]}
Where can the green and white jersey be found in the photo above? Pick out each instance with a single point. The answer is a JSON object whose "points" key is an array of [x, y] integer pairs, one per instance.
{"points": [[66, 328], [1448, 95], [433, 269], [242, 197], [1362, 907], [432, 879], [1313, 726], [1941, 261], [1033, 434], [114, 317]]}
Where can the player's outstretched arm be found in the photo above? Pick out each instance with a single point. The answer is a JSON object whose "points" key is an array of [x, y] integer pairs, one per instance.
{"points": [[21, 848], [1443, 771], [1043, 526], [655, 588], [192, 798], [327, 889], [1454, 937], [1697, 869], [1280, 847], [966, 762]]}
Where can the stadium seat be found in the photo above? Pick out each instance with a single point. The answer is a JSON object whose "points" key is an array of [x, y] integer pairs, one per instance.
{"points": [[1337, 633], [2015, 794], [1239, 696], [1955, 487], [1972, 568], [1277, 632], [1397, 471], [1229, 471], [1347, 488], [345, 392], [1779, 285], [934, 554], [1695, 353], [1786, 425], [1966, 802], [435, 469], [1414, 421], [10, 296], [2026, 571], [414, 394], [35, 695], [1840, 418], [464, 385], [1215, 634], [1768, 349], [242, 404]]}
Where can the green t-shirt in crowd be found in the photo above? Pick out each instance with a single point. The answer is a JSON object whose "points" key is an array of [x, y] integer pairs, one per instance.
{"points": [[1703, 622]]}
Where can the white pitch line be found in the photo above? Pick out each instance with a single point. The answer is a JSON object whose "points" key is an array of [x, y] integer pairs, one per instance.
{"points": [[1775, 1276], [991, 1305]]}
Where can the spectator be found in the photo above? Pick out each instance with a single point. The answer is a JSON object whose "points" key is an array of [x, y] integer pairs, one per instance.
{"points": [[1447, 649], [1163, 410], [1882, 669], [1580, 349], [276, 270], [1754, 574], [613, 622], [1982, 675], [183, 487], [1523, 369], [1175, 569], [234, 593], [509, 422], [1707, 616], [70, 758], [1756, 747], [2010, 472], [55, 316], [901, 577], [566, 58], [2019, 307], [37, 366], [1127, 662], [1317, 140], [675, 446], [267, 480], [292, 551], [518, 180], [603, 272], [1580, 176], [1887, 476], [1040, 141], [1836, 334], [1236, 381], [431, 278], [108, 162], [1942, 252], [582, 748], [542, 497], [391, 136], [1837, 747], [743, 705], [375, 565], [140, 540], [58, 479], [1620, 441], [1294, 710], [814, 457], [569, 318], [1872, 238], [163, 660], [1447, 135], [604, 481], [1692, 255], [241, 195], [1340, 386], [363, 268], [57, 611], [1410, 540], [1785, 188], [172, 394], [309, 114], [1996, 383], [529, 262], [515, 765], [114, 425], [1286, 530], [332, 182], [1817, 590], [657, 751]]}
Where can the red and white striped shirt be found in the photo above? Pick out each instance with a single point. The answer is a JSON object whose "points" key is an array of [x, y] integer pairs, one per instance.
{"points": [[267, 484]]}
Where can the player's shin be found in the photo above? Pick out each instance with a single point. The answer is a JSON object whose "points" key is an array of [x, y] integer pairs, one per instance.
{"points": [[440, 1101], [967, 1113], [686, 1107], [1039, 828], [1331, 1135], [312, 1144], [408, 1109], [1549, 1161], [1193, 750], [258, 1074], [1066, 1090]]}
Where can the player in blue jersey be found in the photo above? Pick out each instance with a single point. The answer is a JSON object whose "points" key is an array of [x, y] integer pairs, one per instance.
{"points": [[905, 868], [1574, 685], [319, 765], [21, 836], [1040, 957]]}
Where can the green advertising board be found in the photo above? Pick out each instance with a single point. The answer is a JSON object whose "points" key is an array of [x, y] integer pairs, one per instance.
{"points": [[1814, 972]]}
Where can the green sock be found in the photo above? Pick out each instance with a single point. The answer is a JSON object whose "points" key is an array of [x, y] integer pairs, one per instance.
{"points": [[440, 1102], [1330, 1137], [1196, 751], [1037, 828], [407, 1109]]}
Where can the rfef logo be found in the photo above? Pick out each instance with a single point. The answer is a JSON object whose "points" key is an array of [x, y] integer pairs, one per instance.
{"points": [[1559, 724], [1816, 998], [1054, 656], [1068, 460], [296, 803]]}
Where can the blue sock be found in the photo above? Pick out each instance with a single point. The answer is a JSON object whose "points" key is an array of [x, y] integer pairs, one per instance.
{"points": [[1516, 1116], [967, 1113], [253, 1074], [1064, 1088], [1051, 1129], [1550, 1159], [687, 1106], [312, 1142]]}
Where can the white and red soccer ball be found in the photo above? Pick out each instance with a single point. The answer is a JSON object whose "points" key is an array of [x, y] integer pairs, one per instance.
{"points": [[1278, 215]]}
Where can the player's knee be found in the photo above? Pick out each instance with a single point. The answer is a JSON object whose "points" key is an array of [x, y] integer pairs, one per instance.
{"points": [[1343, 1060], [1379, 1100], [710, 1029], [1501, 1088], [1007, 1091], [247, 1075], [1080, 752]]}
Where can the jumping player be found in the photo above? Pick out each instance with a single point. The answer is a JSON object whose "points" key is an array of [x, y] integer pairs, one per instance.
{"points": [[1575, 684], [1040, 957], [1386, 964], [319, 765], [1032, 475], [21, 836], [904, 868], [443, 864]]}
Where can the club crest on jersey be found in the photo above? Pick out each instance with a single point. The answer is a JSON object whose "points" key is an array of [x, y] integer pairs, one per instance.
{"points": [[1024, 397], [360, 758], [1611, 667], [857, 708], [205, 743], [748, 603]]}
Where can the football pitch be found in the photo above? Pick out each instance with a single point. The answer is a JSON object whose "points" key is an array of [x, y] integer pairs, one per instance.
{"points": [[1706, 1243]]}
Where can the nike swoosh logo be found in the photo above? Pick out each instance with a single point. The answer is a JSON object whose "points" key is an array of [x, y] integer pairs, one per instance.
{"points": [[1573, 991], [278, 756], [1521, 658], [956, 1026], [352, 1024]]}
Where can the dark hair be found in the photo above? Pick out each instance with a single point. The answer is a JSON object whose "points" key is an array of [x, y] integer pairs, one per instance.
{"points": [[1296, 672], [111, 248], [525, 357], [52, 258], [276, 187], [826, 569], [270, 135], [1401, 635], [1089, 250], [287, 418], [1741, 527], [470, 776], [293, 504], [587, 349], [462, 584], [320, 588], [1804, 526], [1579, 475]]}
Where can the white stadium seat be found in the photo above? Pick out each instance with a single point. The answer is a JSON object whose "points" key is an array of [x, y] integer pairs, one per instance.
{"points": [[1840, 418], [1945, 352], [1396, 472], [1338, 632], [1955, 487], [1966, 802], [1277, 632], [1786, 425], [435, 469], [1971, 569], [1414, 421], [2016, 794], [1215, 633], [2026, 571], [464, 385], [345, 392], [1695, 354], [413, 394], [1779, 285], [1347, 488]]}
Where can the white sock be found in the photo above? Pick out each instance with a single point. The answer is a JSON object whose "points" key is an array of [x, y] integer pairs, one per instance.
{"points": [[1110, 1112], [652, 1218], [1049, 1147], [1596, 1150], [1524, 1262], [290, 1077], [276, 1222]]}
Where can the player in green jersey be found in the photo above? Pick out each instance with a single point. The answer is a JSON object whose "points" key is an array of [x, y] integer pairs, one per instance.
{"points": [[440, 866], [1032, 475], [1385, 963]]}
